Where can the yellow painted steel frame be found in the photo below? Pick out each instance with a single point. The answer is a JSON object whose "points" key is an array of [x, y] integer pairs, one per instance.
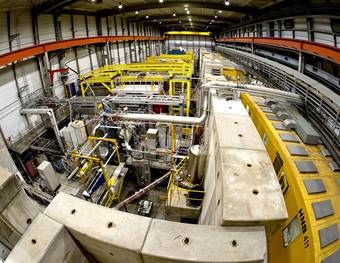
{"points": [[306, 246], [113, 141], [105, 76], [172, 188], [184, 89], [109, 182]]}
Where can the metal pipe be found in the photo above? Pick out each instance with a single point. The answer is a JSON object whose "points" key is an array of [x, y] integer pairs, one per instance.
{"points": [[50, 114], [255, 89], [164, 118]]}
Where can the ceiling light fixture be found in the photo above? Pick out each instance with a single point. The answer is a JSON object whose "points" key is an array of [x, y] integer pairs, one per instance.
{"points": [[160, 22], [190, 19], [215, 16], [227, 3], [188, 12], [220, 11], [120, 5], [180, 22], [146, 17], [174, 14], [154, 20], [161, 1], [136, 12], [186, 9]]}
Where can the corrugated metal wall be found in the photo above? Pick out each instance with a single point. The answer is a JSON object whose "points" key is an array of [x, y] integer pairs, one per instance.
{"points": [[188, 42], [81, 59]]}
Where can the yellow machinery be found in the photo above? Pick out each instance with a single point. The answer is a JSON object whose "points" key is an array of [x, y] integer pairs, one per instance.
{"points": [[178, 74], [230, 73], [311, 232], [113, 194]]}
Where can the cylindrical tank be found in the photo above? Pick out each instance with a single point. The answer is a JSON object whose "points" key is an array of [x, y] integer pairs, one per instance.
{"points": [[196, 164]]}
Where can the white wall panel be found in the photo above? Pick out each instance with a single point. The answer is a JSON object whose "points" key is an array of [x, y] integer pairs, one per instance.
{"points": [[84, 60], [28, 77], [94, 60], [11, 122], [91, 24], [45, 28], [121, 53], [104, 26], [114, 50], [58, 87], [66, 27], [79, 26], [4, 44], [21, 24], [119, 26]]}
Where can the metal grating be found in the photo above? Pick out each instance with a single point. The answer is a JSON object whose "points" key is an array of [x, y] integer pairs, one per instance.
{"points": [[286, 137], [328, 235], [314, 186], [306, 166], [279, 126], [272, 117], [333, 258], [266, 109], [323, 111], [334, 166], [297, 150], [322, 209]]}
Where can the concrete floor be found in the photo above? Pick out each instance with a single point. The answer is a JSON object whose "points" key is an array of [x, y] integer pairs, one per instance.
{"points": [[158, 207]]}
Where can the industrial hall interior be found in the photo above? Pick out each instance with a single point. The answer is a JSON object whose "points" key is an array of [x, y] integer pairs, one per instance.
{"points": [[170, 131]]}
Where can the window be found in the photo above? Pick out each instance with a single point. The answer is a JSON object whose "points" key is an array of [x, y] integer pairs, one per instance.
{"points": [[277, 163], [335, 25], [283, 182], [288, 23], [265, 139], [291, 232]]}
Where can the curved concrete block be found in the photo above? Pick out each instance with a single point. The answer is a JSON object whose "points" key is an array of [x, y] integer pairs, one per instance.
{"points": [[108, 234], [176, 242]]}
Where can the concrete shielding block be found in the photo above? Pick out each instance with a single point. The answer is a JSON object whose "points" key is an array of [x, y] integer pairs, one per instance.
{"points": [[108, 234], [46, 241]]}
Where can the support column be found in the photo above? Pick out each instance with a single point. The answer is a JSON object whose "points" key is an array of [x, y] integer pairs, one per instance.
{"points": [[301, 63]]}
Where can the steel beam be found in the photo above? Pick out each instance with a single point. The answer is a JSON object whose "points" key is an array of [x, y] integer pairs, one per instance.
{"points": [[173, 4], [52, 6], [169, 17]]}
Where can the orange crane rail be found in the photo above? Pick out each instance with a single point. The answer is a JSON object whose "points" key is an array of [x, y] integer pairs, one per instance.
{"points": [[322, 50], [22, 53]]}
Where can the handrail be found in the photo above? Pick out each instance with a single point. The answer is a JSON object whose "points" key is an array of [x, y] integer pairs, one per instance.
{"points": [[322, 50], [61, 44]]}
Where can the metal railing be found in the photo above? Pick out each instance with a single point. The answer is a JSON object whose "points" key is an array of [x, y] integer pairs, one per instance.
{"points": [[321, 105]]}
